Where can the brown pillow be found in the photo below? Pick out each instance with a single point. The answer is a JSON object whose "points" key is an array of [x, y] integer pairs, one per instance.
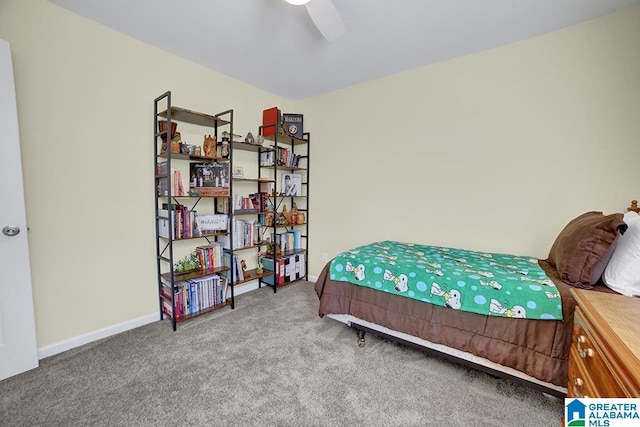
{"points": [[581, 249]]}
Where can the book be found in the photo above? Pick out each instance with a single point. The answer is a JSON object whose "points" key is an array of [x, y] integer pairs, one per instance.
{"points": [[293, 124], [288, 264], [242, 204], [269, 121], [303, 264], [210, 256], [281, 271], [222, 205], [234, 263], [292, 184], [178, 185], [164, 223], [297, 267], [267, 158], [239, 272], [267, 264], [293, 240]]}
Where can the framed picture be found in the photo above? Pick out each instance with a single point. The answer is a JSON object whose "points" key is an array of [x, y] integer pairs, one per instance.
{"points": [[238, 172], [292, 184], [209, 174]]}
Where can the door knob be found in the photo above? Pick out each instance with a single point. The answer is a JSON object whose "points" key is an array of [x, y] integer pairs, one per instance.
{"points": [[11, 230]]}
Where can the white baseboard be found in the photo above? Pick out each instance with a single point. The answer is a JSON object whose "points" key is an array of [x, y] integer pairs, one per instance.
{"points": [[68, 344], [74, 342]]}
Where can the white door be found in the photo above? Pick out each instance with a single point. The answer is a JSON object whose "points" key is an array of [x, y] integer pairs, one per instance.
{"points": [[18, 350]]}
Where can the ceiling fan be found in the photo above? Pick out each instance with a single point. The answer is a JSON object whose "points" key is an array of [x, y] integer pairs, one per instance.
{"points": [[325, 15]]}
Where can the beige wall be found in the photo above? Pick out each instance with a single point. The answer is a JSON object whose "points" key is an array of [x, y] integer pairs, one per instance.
{"points": [[85, 103], [493, 151]]}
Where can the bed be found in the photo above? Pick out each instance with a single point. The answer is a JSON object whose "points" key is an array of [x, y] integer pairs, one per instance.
{"points": [[531, 351]]}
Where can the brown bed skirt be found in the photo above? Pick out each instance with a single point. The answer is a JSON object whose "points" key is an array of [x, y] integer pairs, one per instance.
{"points": [[538, 348]]}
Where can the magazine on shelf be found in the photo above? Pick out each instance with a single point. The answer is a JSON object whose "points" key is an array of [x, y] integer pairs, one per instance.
{"points": [[292, 184], [293, 124]]}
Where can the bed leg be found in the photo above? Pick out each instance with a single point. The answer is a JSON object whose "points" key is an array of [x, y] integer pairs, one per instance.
{"points": [[361, 338]]}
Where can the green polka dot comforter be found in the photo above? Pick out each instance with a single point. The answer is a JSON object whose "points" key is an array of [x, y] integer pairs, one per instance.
{"points": [[484, 283]]}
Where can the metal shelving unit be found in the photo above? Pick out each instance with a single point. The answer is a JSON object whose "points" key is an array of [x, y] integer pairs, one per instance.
{"points": [[166, 201], [299, 147]]}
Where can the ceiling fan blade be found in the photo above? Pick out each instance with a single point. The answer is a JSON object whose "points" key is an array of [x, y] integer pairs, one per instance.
{"points": [[326, 17]]}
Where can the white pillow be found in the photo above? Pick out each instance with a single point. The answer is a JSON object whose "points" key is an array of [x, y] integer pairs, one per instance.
{"points": [[623, 271]]}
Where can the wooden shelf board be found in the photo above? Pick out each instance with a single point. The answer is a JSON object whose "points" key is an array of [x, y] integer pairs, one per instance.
{"points": [[180, 276], [250, 275], [194, 117], [241, 145], [206, 310], [286, 139]]}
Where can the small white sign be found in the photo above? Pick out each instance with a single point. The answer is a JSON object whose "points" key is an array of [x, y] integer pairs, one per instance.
{"points": [[211, 222]]}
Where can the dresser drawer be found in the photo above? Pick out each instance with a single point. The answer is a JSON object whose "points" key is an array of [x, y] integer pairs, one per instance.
{"points": [[587, 361], [579, 381]]}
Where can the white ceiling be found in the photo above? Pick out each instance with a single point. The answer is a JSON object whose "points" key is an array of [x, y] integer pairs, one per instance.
{"points": [[275, 46]]}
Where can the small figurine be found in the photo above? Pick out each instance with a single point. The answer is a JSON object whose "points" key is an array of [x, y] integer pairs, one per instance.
{"points": [[268, 219], [225, 148], [243, 264], [281, 219], [287, 216], [209, 146], [293, 219], [249, 139], [634, 207]]}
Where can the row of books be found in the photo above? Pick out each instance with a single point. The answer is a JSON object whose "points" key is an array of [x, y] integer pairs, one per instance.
{"points": [[182, 222], [187, 223], [177, 186], [286, 269], [291, 240], [281, 156], [260, 200], [210, 256], [244, 204], [235, 264], [193, 296], [245, 233], [254, 202]]}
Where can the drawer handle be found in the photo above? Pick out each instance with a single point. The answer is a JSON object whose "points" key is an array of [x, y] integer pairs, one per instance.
{"points": [[583, 352], [577, 385]]}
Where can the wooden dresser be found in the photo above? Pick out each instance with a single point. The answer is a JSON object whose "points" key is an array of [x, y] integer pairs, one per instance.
{"points": [[605, 353]]}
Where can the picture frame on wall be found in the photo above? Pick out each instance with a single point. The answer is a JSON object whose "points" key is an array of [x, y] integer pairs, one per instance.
{"points": [[238, 172]]}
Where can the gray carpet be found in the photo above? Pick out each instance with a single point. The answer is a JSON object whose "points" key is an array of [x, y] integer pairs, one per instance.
{"points": [[271, 361]]}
